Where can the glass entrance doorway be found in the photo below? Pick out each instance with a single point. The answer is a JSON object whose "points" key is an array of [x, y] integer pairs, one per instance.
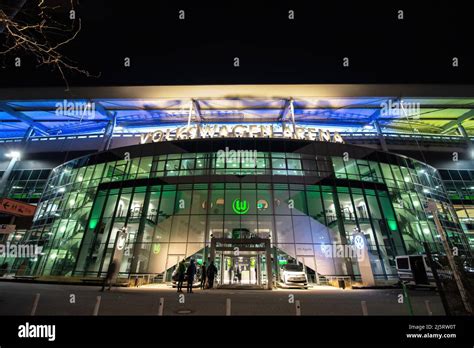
{"points": [[247, 269], [242, 262]]}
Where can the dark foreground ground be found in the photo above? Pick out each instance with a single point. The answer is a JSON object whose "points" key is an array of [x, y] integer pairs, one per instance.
{"points": [[17, 299]]}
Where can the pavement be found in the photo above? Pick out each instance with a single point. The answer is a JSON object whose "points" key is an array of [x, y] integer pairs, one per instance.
{"points": [[59, 299]]}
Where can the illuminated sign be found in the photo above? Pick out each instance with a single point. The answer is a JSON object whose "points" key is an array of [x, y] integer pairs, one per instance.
{"points": [[121, 238], [359, 241], [262, 204], [17, 208], [241, 131], [392, 224], [121, 241], [240, 207], [156, 248], [93, 223]]}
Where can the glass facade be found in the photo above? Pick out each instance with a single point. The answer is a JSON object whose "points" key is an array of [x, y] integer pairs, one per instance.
{"points": [[460, 187], [27, 185], [173, 203]]}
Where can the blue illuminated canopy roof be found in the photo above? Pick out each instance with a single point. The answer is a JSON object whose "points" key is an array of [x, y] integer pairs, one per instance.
{"points": [[49, 112]]}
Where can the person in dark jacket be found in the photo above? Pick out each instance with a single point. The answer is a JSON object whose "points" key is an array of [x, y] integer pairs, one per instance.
{"points": [[238, 274], [203, 275], [190, 273], [110, 274], [181, 273], [230, 271], [211, 273]]}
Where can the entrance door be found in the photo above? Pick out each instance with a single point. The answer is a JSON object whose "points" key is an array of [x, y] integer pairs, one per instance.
{"points": [[243, 261], [243, 271]]}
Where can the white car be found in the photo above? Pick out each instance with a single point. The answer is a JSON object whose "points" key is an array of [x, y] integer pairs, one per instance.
{"points": [[293, 275]]}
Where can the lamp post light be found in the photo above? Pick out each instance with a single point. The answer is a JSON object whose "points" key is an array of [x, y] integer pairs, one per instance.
{"points": [[14, 157]]}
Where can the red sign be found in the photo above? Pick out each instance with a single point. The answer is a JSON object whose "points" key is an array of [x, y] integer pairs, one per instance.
{"points": [[7, 229], [12, 207]]}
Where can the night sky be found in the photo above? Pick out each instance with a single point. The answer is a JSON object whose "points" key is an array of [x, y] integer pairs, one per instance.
{"points": [[165, 50]]}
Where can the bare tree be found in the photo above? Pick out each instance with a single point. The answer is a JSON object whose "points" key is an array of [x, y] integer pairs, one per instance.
{"points": [[33, 27]]}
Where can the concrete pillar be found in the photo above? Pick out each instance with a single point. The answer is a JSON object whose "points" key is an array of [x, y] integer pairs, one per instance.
{"points": [[365, 267], [212, 254], [140, 233], [259, 278], [268, 257], [222, 269]]}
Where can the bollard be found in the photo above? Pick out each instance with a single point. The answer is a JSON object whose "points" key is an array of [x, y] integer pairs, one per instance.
{"points": [[97, 305], [298, 307], [364, 308], [35, 304], [227, 307], [407, 298], [428, 307], [162, 304]]}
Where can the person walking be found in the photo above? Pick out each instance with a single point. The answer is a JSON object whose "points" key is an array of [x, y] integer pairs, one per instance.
{"points": [[109, 276], [190, 272], [181, 273], [238, 274], [211, 273], [230, 272], [203, 275]]}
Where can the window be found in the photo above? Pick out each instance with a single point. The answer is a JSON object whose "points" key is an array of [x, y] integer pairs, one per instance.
{"points": [[279, 166], [402, 263]]}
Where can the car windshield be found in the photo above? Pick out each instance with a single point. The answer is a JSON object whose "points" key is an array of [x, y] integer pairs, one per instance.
{"points": [[293, 267]]}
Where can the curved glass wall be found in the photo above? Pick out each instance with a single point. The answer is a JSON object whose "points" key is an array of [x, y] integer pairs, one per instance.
{"points": [[173, 203], [460, 187]]}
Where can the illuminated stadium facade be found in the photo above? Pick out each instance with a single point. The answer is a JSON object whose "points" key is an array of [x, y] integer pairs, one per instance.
{"points": [[280, 174]]}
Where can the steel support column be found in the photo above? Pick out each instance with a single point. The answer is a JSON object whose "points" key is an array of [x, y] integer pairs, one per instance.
{"points": [[382, 141]]}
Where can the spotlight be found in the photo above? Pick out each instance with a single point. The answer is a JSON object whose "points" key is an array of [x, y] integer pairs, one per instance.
{"points": [[14, 155]]}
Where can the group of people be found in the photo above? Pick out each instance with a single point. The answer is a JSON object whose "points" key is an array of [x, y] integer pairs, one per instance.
{"points": [[237, 274], [208, 274]]}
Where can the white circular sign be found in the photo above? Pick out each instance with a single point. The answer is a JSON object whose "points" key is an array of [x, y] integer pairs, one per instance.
{"points": [[121, 242], [359, 242]]}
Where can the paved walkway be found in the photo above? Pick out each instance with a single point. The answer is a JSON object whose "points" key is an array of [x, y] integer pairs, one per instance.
{"points": [[18, 298]]}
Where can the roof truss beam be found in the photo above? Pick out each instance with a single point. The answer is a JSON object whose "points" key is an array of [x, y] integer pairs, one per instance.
{"points": [[102, 110], [197, 109], [38, 127], [286, 111], [454, 123]]}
